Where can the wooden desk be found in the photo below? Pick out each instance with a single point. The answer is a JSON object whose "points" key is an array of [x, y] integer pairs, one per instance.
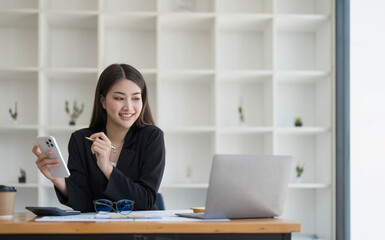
{"points": [[24, 226]]}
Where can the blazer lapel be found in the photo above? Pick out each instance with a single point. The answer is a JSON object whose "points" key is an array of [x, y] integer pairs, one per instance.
{"points": [[127, 154]]}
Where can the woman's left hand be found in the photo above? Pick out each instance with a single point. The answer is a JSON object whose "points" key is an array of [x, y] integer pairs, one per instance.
{"points": [[101, 147]]}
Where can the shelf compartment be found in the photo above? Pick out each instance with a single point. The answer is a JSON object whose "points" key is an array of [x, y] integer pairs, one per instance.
{"points": [[245, 143], [257, 102], [189, 102], [130, 39], [19, 4], [186, 6], [189, 157], [303, 7], [69, 40], [20, 87], [130, 6], [16, 153], [19, 36], [71, 5], [244, 42], [310, 101], [314, 151], [245, 6], [58, 87], [315, 208], [186, 42], [303, 43]]}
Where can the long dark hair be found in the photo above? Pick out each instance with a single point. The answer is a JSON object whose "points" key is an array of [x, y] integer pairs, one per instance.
{"points": [[109, 77]]}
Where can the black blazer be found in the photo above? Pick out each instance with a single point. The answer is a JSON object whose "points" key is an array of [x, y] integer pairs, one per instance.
{"points": [[137, 175]]}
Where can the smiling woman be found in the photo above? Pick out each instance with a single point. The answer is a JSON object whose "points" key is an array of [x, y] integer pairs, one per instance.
{"points": [[110, 76], [134, 168], [123, 108]]}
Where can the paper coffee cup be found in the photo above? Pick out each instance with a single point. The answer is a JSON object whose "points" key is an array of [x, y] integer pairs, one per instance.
{"points": [[7, 201], [198, 209]]}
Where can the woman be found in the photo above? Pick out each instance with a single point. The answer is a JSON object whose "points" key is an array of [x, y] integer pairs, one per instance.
{"points": [[124, 136]]}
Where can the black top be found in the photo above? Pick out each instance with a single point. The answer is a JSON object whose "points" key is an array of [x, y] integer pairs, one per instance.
{"points": [[137, 175]]}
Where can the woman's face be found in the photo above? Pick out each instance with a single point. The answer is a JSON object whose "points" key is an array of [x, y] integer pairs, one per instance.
{"points": [[123, 103]]}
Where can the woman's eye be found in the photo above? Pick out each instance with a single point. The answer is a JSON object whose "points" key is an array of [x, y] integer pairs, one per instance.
{"points": [[120, 99], [136, 99]]}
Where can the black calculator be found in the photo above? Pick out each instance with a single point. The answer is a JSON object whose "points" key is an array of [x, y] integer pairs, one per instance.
{"points": [[51, 211]]}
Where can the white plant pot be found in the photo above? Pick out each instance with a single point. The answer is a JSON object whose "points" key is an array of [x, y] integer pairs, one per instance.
{"points": [[298, 179], [242, 124]]}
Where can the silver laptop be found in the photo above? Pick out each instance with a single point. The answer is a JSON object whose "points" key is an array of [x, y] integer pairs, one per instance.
{"points": [[246, 186]]}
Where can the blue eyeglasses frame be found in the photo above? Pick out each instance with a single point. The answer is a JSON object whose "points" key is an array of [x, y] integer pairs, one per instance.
{"points": [[104, 206]]}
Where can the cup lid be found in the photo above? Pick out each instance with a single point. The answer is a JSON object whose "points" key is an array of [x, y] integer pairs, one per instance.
{"points": [[4, 188]]}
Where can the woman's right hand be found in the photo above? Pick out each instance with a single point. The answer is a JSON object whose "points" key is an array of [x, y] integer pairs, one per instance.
{"points": [[44, 163]]}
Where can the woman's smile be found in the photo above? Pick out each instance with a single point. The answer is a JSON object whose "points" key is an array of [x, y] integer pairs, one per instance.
{"points": [[126, 116]]}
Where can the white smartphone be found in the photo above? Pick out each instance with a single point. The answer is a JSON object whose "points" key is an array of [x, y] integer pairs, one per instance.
{"points": [[49, 144]]}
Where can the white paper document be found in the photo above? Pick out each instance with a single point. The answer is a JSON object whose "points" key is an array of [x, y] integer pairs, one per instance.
{"points": [[137, 216], [83, 217]]}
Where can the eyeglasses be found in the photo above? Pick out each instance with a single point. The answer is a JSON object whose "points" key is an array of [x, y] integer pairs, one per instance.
{"points": [[104, 206]]}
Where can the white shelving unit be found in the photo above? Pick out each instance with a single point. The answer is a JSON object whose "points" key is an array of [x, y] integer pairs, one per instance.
{"points": [[200, 59]]}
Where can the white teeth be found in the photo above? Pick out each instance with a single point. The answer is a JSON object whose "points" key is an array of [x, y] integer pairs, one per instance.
{"points": [[126, 115]]}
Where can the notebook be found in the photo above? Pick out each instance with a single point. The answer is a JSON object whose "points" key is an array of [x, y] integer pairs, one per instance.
{"points": [[246, 186]]}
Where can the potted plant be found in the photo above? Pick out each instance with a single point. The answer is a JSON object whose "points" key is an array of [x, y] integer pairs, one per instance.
{"points": [[188, 175], [13, 114], [23, 176], [299, 170], [76, 111], [298, 122], [241, 114]]}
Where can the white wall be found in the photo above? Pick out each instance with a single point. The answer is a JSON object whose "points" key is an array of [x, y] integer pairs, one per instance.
{"points": [[367, 119]]}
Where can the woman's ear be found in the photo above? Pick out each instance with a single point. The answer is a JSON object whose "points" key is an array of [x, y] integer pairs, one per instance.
{"points": [[103, 101]]}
